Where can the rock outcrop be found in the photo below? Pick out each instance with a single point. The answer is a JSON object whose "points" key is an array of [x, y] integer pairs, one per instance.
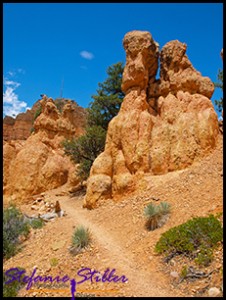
{"points": [[163, 124], [21, 127], [39, 164], [18, 128]]}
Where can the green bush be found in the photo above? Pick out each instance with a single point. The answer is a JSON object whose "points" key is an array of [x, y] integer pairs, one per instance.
{"points": [[13, 226], [37, 223], [219, 84], [32, 130], [81, 238], [59, 102], [184, 272], [37, 112], [156, 215], [164, 208], [11, 289], [195, 238], [204, 257], [105, 106], [85, 149]]}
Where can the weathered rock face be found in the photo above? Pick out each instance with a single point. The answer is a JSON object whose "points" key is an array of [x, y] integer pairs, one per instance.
{"points": [[163, 124], [21, 127], [38, 164], [18, 128]]}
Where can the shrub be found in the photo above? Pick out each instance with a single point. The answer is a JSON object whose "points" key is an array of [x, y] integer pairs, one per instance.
{"points": [[59, 102], [11, 289], [37, 112], [37, 223], [85, 149], [32, 130], [219, 84], [105, 106], [184, 272], [204, 257], [156, 215], [80, 239], [164, 208], [198, 235], [54, 262], [13, 226]]}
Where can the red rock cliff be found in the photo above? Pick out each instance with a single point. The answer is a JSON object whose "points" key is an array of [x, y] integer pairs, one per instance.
{"points": [[39, 164]]}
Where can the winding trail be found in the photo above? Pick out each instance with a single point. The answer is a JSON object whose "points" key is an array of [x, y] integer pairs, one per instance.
{"points": [[141, 282]]}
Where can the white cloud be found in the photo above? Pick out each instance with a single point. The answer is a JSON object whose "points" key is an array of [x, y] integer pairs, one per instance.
{"points": [[14, 84], [12, 106], [11, 73], [87, 55]]}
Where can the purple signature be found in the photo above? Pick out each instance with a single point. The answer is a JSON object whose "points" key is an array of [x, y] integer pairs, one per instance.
{"points": [[85, 274]]}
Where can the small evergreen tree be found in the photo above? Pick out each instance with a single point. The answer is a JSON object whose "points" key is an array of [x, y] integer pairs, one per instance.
{"points": [[108, 100], [105, 106], [85, 149], [219, 84]]}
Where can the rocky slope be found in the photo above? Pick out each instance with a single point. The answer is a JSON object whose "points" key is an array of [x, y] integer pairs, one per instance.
{"points": [[39, 164], [163, 124], [120, 239]]}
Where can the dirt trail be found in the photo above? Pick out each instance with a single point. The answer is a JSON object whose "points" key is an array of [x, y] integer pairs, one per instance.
{"points": [[141, 282]]}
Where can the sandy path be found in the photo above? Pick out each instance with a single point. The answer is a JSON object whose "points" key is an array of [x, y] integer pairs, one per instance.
{"points": [[141, 282]]}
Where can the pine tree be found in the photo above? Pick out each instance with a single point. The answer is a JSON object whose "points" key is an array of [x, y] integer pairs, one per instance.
{"points": [[108, 100], [219, 84], [105, 106]]}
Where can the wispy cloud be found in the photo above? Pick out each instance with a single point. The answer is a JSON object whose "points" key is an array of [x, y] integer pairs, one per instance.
{"points": [[12, 106], [11, 73], [21, 71], [87, 55]]}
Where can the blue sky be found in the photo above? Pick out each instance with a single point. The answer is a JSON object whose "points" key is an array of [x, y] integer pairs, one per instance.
{"points": [[50, 45]]}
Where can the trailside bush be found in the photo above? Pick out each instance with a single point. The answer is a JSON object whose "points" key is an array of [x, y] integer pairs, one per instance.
{"points": [[11, 289], [85, 149], [37, 223], [200, 233], [13, 226], [81, 238], [156, 215]]}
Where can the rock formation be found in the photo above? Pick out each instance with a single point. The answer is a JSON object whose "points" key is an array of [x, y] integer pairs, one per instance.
{"points": [[21, 127], [163, 124], [38, 164], [18, 128]]}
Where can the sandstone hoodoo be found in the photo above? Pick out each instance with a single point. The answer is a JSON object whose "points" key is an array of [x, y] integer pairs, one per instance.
{"points": [[163, 124], [38, 164], [22, 126]]}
